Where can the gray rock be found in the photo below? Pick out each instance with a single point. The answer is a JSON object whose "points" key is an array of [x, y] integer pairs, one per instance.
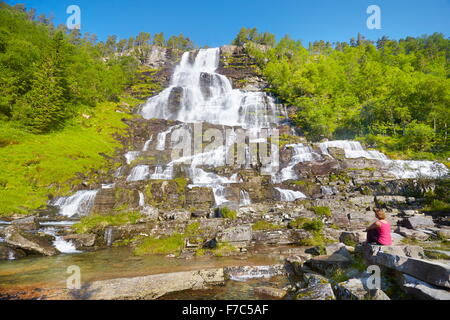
{"points": [[28, 223], [280, 237], [412, 234], [318, 292], [326, 264], [236, 234], [417, 222], [177, 215], [356, 289], [296, 262], [390, 200], [81, 240], [364, 201], [314, 279], [422, 290], [29, 242], [432, 272], [405, 250], [444, 233], [353, 237], [242, 273], [151, 287]]}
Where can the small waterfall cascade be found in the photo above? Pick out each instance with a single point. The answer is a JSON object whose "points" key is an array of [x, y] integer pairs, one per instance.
{"points": [[109, 236], [59, 243], [290, 195], [245, 199], [79, 204]]}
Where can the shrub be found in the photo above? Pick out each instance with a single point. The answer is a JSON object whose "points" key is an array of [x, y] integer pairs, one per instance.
{"points": [[322, 211]]}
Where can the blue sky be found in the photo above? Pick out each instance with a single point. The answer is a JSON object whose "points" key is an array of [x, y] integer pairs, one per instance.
{"points": [[215, 22]]}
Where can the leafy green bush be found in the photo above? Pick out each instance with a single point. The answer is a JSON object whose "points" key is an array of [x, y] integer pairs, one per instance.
{"points": [[227, 213], [322, 211]]}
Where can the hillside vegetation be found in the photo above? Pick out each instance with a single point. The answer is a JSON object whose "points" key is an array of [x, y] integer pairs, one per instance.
{"points": [[392, 95]]}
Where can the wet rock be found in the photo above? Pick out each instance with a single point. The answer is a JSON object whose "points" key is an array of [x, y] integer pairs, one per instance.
{"points": [[318, 292], [432, 272], [422, 290], [418, 222], [28, 223], [412, 234], [271, 292], [243, 273], [81, 240], [29, 242], [10, 253], [151, 287]]}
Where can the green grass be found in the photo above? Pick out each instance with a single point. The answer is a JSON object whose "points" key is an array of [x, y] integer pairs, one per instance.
{"points": [[322, 211], [222, 249], [227, 213], [95, 222], [172, 244], [32, 167], [264, 225]]}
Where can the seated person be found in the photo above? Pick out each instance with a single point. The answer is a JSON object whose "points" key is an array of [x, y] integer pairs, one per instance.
{"points": [[380, 231]]}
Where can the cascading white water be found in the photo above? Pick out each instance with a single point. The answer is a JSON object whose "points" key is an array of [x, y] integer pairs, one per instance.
{"points": [[353, 150], [199, 94], [245, 198], [131, 156], [138, 173], [141, 200], [79, 204], [59, 243], [147, 144], [290, 195]]}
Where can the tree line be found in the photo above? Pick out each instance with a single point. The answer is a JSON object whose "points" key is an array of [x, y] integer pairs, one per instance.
{"points": [[391, 94], [47, 72]]}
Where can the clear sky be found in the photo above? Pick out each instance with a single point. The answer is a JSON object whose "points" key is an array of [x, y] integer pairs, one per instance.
{"points": [[216, 22]]}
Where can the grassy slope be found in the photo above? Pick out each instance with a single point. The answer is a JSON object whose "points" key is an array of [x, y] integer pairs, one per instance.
{"points": [[34, 166]]}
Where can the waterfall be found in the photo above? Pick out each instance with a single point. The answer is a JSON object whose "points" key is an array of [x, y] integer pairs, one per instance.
{"points": [[147, 144], [109, 236], [141, 200], [290, 195], [138, 173], [353, 149], [198, 94], [245, 198], [79, 204], [131, 156], [59, 243]]}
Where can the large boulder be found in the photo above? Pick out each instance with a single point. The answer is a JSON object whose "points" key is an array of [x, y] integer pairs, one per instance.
{"points": [[416, 252], [432, 272], [353, 237], [29, 242], [422, 290], [151, 287], [28, 223], [417, 222], [412, 234]]}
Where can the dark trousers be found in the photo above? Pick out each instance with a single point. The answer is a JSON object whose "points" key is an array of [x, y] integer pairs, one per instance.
{"points": [[372, 236]]}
